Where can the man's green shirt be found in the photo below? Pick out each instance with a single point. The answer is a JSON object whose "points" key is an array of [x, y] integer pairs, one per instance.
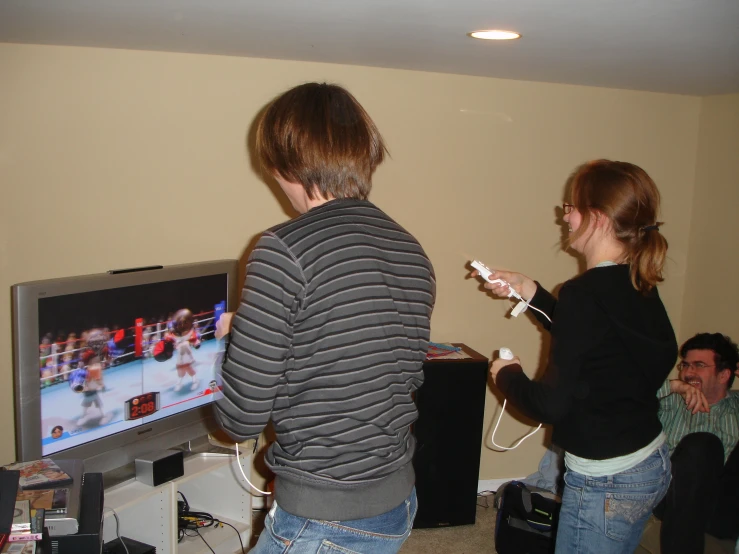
{"points": [[677, 421]]}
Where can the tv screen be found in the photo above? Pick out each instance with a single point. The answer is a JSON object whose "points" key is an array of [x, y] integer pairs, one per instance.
{"points": [[117, 360]]}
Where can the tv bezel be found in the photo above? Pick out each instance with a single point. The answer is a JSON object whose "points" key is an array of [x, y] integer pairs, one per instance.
{"points": [[112, 452]]}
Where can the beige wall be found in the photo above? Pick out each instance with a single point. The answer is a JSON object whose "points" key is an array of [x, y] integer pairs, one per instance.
{"points": [[711, 297], [103, 151]]}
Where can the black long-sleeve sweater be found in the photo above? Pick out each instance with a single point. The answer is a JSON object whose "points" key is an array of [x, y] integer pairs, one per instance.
{"points": [[612, 348]]}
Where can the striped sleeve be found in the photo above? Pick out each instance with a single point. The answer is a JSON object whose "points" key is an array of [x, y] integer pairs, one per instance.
{"points": [[664, 390], [261, 335]]}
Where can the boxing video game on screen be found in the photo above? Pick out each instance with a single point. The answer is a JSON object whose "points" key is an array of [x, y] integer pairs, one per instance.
{"points": [[114, 359]]}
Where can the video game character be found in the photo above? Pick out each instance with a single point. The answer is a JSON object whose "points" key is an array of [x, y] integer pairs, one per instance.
{"points": [[48, 373], [181, 338], [88, 380]]}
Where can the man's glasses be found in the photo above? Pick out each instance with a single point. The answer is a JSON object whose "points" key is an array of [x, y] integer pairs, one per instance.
{"points": [[682, 366], [567, 208]]}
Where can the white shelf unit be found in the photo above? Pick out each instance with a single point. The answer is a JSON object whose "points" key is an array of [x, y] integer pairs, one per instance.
{"points": [[212, 483]]}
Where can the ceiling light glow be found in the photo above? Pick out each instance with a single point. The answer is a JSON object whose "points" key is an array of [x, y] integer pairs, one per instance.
{"points": [[495, 34]]}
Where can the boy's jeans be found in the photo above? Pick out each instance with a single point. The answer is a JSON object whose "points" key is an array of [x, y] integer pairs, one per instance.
{"points": [[383, 534]]}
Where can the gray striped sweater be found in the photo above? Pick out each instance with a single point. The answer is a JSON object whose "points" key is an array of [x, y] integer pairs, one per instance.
{"points": [[328, 343]]}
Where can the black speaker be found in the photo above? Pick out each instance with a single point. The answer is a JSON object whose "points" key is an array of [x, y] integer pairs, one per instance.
{"points": [[89, 535], [451, 408], [156, 468]]}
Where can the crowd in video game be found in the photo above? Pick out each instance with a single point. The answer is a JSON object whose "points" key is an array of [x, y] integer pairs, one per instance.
{"points": [[60, 357]]}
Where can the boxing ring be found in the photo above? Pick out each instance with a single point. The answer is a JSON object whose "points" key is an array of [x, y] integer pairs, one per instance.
{"points": [[130, 370]]}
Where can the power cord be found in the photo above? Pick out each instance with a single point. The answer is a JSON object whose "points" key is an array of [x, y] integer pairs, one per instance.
{"points": [[189, 521], [485, 495], [117, 527], [506, 354], [492, 435], [542, 313], [206, 542], [244, 474]]}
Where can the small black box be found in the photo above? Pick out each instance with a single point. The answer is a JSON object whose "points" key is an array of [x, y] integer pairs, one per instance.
{"points": [[134, 547], [156, 468]]}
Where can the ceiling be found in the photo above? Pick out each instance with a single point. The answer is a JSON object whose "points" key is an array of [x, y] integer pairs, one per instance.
{"points": [[674, 46]]}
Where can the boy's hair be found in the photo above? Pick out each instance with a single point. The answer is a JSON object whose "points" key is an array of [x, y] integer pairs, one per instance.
{"points": [[318, 135]]}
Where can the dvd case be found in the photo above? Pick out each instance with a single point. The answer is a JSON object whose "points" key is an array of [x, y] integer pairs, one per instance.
{"points": [[21, 516], [34, 532], [39, 474]]}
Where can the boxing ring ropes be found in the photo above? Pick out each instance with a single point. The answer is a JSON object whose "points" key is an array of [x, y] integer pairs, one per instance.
{"points": [[204, 326]]}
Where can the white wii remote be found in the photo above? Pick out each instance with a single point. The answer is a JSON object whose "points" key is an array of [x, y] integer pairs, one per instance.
{"points": [[486, 272], [507, 354]]}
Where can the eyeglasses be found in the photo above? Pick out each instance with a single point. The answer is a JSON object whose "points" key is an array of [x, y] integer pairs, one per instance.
{"points": [[567, 208], [682, 366]]}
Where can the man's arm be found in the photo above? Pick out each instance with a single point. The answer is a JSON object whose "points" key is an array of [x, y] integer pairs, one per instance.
{"points": [[695, 401], [258, 354]]}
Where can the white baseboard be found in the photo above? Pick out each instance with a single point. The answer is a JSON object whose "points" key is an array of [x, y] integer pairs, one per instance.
{"points": [[491, 485]]}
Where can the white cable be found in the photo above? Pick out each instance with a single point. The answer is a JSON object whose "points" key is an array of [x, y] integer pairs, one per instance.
{"points": [[117, 527], [542, 313], [236, 444], [492, 435], [506, 354]]}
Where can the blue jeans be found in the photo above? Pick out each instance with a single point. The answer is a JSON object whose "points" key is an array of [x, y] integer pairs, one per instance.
{"points": [[606, 515], [383, 534]]}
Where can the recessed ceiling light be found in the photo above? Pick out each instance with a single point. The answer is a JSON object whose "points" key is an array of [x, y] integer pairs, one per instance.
{"points": [[495, 34]]}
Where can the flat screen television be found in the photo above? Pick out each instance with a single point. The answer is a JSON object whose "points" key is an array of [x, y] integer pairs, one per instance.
{"points": [[113, 365]]}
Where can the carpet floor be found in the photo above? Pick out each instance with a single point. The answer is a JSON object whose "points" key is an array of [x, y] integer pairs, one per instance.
{"points": [[462, 539]]}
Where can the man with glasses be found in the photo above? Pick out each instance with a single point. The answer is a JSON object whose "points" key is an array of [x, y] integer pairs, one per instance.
{"points": [[700, 418]]}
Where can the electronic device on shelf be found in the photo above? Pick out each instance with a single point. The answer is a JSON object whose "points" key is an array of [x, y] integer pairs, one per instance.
{"points": [[109, 395], [66, 521], [89, 535], [116, 546]]}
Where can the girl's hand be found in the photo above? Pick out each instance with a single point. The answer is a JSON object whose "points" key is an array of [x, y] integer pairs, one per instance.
{"points": [[523, 285], [500, 363]]}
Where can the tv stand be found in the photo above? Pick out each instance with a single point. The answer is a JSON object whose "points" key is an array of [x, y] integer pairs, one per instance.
{"points": [[212, 483]]}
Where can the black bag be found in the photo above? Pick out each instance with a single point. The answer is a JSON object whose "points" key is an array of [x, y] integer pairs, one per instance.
{"points": [[527, 520]]}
